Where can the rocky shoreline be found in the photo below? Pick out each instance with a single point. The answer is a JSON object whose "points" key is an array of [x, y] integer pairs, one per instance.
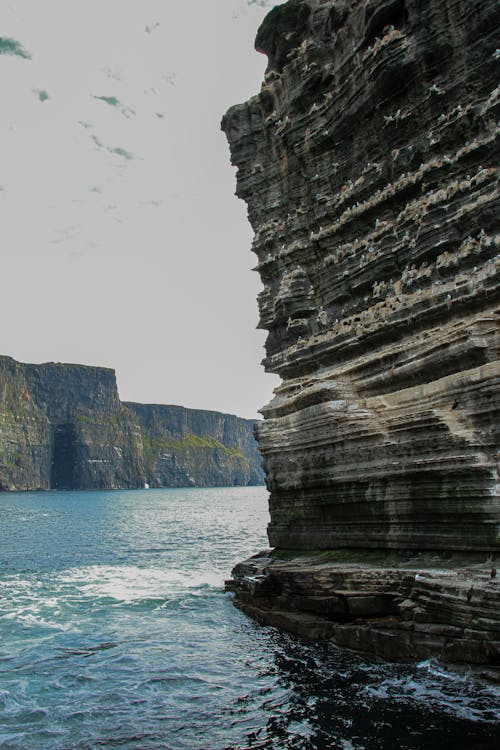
{"points": [[396, 607]]}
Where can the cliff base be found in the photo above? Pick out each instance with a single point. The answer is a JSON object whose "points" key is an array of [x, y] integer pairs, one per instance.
{"points": [[394, 606]]}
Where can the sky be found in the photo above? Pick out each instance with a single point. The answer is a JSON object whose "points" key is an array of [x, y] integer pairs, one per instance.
{"points": [[123, 244]]}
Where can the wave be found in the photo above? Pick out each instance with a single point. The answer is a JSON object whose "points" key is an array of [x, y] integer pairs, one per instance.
{"points": [[51, 601], [438, 688], [129, 583]]}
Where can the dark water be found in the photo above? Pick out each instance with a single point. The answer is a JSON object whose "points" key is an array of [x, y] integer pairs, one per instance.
{"points": [[115, 633]]}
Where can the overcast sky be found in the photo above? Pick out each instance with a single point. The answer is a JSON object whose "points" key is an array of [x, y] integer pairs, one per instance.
{"points": [[122, 242]]}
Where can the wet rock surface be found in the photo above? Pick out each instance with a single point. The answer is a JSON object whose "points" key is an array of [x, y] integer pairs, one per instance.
{"points": [[404, 607], [64, 427], [369, 164]]}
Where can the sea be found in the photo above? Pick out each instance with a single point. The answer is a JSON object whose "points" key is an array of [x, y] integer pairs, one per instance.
{"points": [[116, 632]]}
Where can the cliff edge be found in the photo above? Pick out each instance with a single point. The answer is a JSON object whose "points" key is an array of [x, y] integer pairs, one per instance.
{"points": [[369, 164]]}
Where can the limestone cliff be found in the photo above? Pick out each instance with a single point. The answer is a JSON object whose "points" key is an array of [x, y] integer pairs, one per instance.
{"points": [[190, 447], [64, 427], [369, 164], [25, 460]]}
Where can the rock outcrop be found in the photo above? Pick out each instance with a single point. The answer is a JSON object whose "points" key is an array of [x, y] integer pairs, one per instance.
{"points": [[369, 164], [94, 440], [64, 427], [25, 461], [396, 606]]}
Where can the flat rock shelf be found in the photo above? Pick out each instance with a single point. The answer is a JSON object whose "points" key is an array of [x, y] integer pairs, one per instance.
{"points": [[400, 608]]}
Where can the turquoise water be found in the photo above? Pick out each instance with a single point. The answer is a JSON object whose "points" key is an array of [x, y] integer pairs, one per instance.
{"points": [[115, 633]]}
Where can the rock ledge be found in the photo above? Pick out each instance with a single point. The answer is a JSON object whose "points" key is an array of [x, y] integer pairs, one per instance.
{"points": [[395, 607]]}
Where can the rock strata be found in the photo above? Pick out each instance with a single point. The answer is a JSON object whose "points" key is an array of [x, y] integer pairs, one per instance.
{"points": [[369, 164], [406, 606], [64, 427]]}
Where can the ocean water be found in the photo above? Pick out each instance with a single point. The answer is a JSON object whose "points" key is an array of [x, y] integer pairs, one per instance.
{"points": [[115, 632]]}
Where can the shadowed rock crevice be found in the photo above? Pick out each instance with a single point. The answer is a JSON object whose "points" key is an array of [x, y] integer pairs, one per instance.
{"points": [[63, 457], [381, 17]]}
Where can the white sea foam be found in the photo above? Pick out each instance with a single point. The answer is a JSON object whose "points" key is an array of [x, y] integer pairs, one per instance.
{"points": [[434, 668], [448, 691], [129, 583], [50, 602]]}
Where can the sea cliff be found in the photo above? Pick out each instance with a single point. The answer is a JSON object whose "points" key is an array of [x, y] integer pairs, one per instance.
{"points": [[63, 426], [191, 447], [369, 164]]}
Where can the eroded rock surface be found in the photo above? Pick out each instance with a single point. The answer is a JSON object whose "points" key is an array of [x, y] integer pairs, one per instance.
{"points": [[406, 606], [369, 164], [193, 447]]}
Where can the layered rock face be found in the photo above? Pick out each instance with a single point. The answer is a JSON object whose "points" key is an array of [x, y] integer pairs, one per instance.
{"points": [[369, 164], [400, 606], [64, 427], [25, 458]]}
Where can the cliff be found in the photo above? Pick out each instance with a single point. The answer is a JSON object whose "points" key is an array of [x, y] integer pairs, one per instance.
{"points": [[189, 447], [25, 461], [64, 427], [369, 164]]}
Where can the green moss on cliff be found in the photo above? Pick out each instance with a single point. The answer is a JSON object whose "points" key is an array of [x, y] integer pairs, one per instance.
{"points": [[62, 425], [153, 445]]}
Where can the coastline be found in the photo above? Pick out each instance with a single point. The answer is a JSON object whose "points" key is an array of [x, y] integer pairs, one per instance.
{"points": [[391, 606]]}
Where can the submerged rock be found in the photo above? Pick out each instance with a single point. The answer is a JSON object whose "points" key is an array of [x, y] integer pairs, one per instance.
{"points": [[369, 164]]}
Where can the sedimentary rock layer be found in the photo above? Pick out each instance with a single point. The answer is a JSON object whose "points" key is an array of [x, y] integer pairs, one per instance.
{"points": [[369, 164], [64, 427], [397, 606], [94, 441]]}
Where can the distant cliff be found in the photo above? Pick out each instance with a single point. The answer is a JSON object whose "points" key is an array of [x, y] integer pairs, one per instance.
{"points": [[369, 164], [63, 426], [190, 447]]}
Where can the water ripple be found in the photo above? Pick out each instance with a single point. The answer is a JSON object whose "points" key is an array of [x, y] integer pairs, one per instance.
{"points": [[119, 635]]}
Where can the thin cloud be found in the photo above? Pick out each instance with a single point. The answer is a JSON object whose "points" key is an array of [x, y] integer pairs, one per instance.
{"points": [[152, 27], [12, 47], [116, 150], [67, 233], [122, 152], [112, 101], [42, 94]]}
